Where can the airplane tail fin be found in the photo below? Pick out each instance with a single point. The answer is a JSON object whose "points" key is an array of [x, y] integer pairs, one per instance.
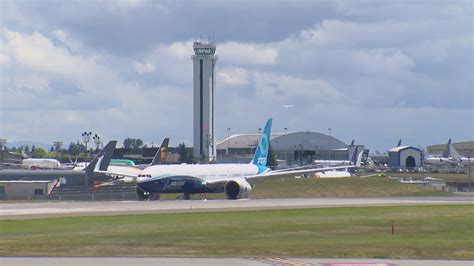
{"points": [[355, 160], [399, 143], [162, 154], [453, 152], [261, 153], [446, 152], [102, 159], [352, 142]]}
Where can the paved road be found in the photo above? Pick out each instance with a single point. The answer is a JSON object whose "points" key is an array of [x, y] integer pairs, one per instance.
{"points": [[127, 261], [62, 209]]}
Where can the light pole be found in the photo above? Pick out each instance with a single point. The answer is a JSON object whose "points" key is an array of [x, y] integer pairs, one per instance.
{"points": [[86, 136], [96, 141], [469, 171], [329, 145], [228, 135], [2, 143]]}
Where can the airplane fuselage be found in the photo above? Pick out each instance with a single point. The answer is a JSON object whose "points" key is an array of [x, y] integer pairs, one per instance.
{"points": [[192, 178]]}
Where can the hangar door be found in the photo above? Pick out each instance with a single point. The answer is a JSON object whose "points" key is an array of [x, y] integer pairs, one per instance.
{"points": [[410, 161]]}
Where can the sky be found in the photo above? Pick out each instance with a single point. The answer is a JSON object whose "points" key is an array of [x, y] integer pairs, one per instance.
{"points": [[373, 71]]}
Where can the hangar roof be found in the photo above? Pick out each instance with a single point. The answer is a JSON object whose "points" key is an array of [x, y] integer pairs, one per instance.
{"points": [[400, 148], [282, 141]]}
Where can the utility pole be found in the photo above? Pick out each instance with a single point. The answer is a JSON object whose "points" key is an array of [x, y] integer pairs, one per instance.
{"points": [[97, 141], [86, 137], [469, 171]]}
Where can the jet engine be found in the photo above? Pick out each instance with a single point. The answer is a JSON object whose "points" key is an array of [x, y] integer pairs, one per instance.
{"points": [[237, 189]]}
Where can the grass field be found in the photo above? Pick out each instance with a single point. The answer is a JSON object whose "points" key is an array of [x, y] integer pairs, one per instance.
{"points": [[330, 187], [420, 232]]}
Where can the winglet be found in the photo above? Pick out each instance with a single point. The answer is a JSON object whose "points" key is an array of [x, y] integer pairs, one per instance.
{"points": [[102, 158], [399, 143], [261, 153], [162, 153]]}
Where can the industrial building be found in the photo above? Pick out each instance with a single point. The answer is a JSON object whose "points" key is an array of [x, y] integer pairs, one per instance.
{"points": [[290, 148], [21, 189], [405, 157], [204, 62]]}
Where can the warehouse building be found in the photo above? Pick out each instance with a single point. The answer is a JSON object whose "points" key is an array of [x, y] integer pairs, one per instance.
{"points": [[289, 148], [405, 157]]}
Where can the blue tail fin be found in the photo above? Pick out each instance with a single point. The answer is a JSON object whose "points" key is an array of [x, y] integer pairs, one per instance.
{"points": [[261, 154], [354, 160]]}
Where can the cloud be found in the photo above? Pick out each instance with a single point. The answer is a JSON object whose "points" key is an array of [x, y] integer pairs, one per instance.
{"points": [[281, 89], [235, 77], [248, 53], [143, 68], [383, 65]]}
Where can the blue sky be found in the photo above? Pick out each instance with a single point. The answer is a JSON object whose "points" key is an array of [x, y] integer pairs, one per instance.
{"points": [[374, 71]]}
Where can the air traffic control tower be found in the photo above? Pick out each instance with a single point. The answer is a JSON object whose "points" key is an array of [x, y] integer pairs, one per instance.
{"points": [[204, 62]]}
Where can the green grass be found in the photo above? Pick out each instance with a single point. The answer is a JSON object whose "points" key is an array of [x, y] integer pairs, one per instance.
{"points": [[330, 187], [339, 187], [421, 232]]}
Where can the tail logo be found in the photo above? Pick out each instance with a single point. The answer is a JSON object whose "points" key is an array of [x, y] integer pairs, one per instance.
{"points": [[263, 149]]}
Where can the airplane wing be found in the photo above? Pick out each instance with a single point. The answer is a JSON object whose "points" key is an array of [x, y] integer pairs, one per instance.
{"points": [[117, 174], [293, 173], [215, 183]]}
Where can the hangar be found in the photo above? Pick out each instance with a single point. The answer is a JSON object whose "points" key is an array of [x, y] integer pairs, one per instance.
{"points": [[294, 148], [405, 157]]}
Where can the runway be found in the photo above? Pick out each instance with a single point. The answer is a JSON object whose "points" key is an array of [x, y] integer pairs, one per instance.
{"points": [[100, 208], [126, 261]]}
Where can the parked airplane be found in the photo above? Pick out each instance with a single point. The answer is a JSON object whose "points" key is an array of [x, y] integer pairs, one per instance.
{"points": [[99, 163], [233, 179], [337, 162], [455, 157], [44, 163], [355, 160], [128, 173], [440, 160]]}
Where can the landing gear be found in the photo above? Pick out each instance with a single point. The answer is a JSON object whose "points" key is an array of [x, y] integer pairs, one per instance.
{"points": [[155, 196], [142, 195], [186, 196]]}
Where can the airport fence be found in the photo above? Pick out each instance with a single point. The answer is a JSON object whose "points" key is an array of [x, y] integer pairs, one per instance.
{"points": [[88, 193]]}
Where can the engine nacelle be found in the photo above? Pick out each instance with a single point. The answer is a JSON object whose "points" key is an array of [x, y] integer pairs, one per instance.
{"points": [[237, 189]]}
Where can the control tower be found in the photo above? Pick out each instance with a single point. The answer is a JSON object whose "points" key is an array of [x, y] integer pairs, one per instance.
{"points": [[204, 61]]}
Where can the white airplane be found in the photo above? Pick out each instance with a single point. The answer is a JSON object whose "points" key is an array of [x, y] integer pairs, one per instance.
{"points": [[233, 179], [44, 163], [355, 160], [440, 160], [337, 162], [129, 173], [455, 157]]}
